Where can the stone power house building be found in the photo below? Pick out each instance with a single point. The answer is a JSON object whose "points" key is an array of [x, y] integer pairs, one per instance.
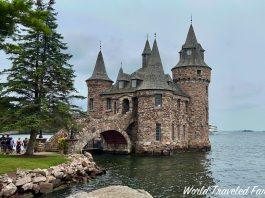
{"points": [[148, 112]]}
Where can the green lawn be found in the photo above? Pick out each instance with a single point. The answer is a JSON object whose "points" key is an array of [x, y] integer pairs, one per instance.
{"points": [[11, 163]]}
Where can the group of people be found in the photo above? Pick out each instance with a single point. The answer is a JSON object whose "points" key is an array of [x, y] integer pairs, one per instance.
{"points": [[8, 144]]}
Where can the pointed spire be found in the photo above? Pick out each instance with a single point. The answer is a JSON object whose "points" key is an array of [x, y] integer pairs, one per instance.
{"points": [[155, 56], [99, 72], [147, 49], [191, 39]]}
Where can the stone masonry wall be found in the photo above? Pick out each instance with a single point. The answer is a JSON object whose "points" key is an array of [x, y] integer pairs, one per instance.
{"points": [[167, 115], [196, 86], [95, 87]]}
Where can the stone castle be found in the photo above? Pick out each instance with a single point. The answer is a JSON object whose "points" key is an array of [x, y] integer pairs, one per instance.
{"points": [[148, 111]]}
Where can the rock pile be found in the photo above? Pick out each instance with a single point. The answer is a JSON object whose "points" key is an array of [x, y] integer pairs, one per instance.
{"points": [[41, 181]]}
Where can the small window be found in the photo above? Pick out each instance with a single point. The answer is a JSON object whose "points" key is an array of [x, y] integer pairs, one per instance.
{"points": [[173, 132], [199, 72], [186, 106], [158, 100], [178, 104], [207, 90], [134, 83], [108, 103], [115, 107], [158, 131], [91, 104], [121, 84], [184, 132]]}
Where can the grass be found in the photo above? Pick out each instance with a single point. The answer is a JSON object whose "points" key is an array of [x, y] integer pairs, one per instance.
{"points": [[9, 164]]}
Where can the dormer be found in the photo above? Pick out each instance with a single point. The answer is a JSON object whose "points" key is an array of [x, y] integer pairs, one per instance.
{"points": [[123, 79]]}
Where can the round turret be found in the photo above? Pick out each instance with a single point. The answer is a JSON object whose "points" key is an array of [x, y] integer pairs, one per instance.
{"points": [[193, 76]]}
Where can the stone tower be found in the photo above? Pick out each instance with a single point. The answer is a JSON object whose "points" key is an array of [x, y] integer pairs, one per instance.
{"points": [[193, 76], [98, 82]]}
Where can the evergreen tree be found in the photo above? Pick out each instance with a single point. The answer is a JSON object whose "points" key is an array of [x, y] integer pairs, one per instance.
{"points": [[15, 13], [41, 80]]}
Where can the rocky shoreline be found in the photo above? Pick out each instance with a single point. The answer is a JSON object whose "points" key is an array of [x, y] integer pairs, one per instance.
{"points": [[79, 168]]}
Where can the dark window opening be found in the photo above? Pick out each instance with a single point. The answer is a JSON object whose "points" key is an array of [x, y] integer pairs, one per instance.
{"points": [[207, 90], [115, 107], [158, 131], [178, 103], [125, 106], [186, 106], [199, 72], [108, 103], [91, 104], [158, 100], [173, 132]]}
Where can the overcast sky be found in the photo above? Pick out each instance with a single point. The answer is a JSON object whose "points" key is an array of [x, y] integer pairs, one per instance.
{"points": [[231, 31]]}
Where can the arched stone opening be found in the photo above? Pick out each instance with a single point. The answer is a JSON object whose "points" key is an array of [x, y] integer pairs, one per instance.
{"points": [[115, 142], [125, 105]]}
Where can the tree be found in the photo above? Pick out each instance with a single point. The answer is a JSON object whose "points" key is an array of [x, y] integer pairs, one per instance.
{"points": [[17, 13], [41, 80]]}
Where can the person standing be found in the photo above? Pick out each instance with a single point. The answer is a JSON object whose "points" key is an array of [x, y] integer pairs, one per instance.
{"points": [[18, 146], [8, 144], [25, 143], [3, 144]]}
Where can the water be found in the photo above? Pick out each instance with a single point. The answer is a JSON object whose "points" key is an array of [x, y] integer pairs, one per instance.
{"points": [[236, 159]]}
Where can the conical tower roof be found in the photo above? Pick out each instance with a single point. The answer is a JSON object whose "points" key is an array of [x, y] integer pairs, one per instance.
{"points": [[147, 49], [155, 60], [99, 72], [192, 53], [191, 40]]}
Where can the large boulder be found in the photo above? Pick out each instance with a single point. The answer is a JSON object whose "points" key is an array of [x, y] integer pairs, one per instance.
{"points": [[113, 192], [9, 190], [23, 180]]}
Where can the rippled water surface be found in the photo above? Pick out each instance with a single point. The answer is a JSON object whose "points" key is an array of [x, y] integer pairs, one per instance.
{"points": [[236, 158]]}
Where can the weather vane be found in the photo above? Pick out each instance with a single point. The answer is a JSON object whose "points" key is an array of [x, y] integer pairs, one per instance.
{"points": [[100, 45], [191, 19]]}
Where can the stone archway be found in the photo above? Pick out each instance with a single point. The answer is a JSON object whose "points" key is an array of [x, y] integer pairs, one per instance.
{"points": [[115, 142]]}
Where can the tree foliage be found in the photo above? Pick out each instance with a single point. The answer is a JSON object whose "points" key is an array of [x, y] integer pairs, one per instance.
{"points": [[41, 80], [17, 13]]}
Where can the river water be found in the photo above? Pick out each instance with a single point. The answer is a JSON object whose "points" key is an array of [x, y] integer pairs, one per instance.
{"points": [[236, 159]]}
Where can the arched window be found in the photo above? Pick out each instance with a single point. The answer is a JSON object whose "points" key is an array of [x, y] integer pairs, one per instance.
{"points": [[158, 131], [186, 106]]}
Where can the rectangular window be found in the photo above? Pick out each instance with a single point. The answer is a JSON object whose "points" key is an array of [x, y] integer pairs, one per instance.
{"points": [[186, 106], [121, 84], [158, 100], [108, 103], [91, 104], [158, 131], [134, 83], [184, 132], [199, 72], [115, 107], [173, 132], [178, 132], [178, 104]]}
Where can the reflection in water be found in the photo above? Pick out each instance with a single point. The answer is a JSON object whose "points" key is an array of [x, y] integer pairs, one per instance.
{"points": [[160, 176]]}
